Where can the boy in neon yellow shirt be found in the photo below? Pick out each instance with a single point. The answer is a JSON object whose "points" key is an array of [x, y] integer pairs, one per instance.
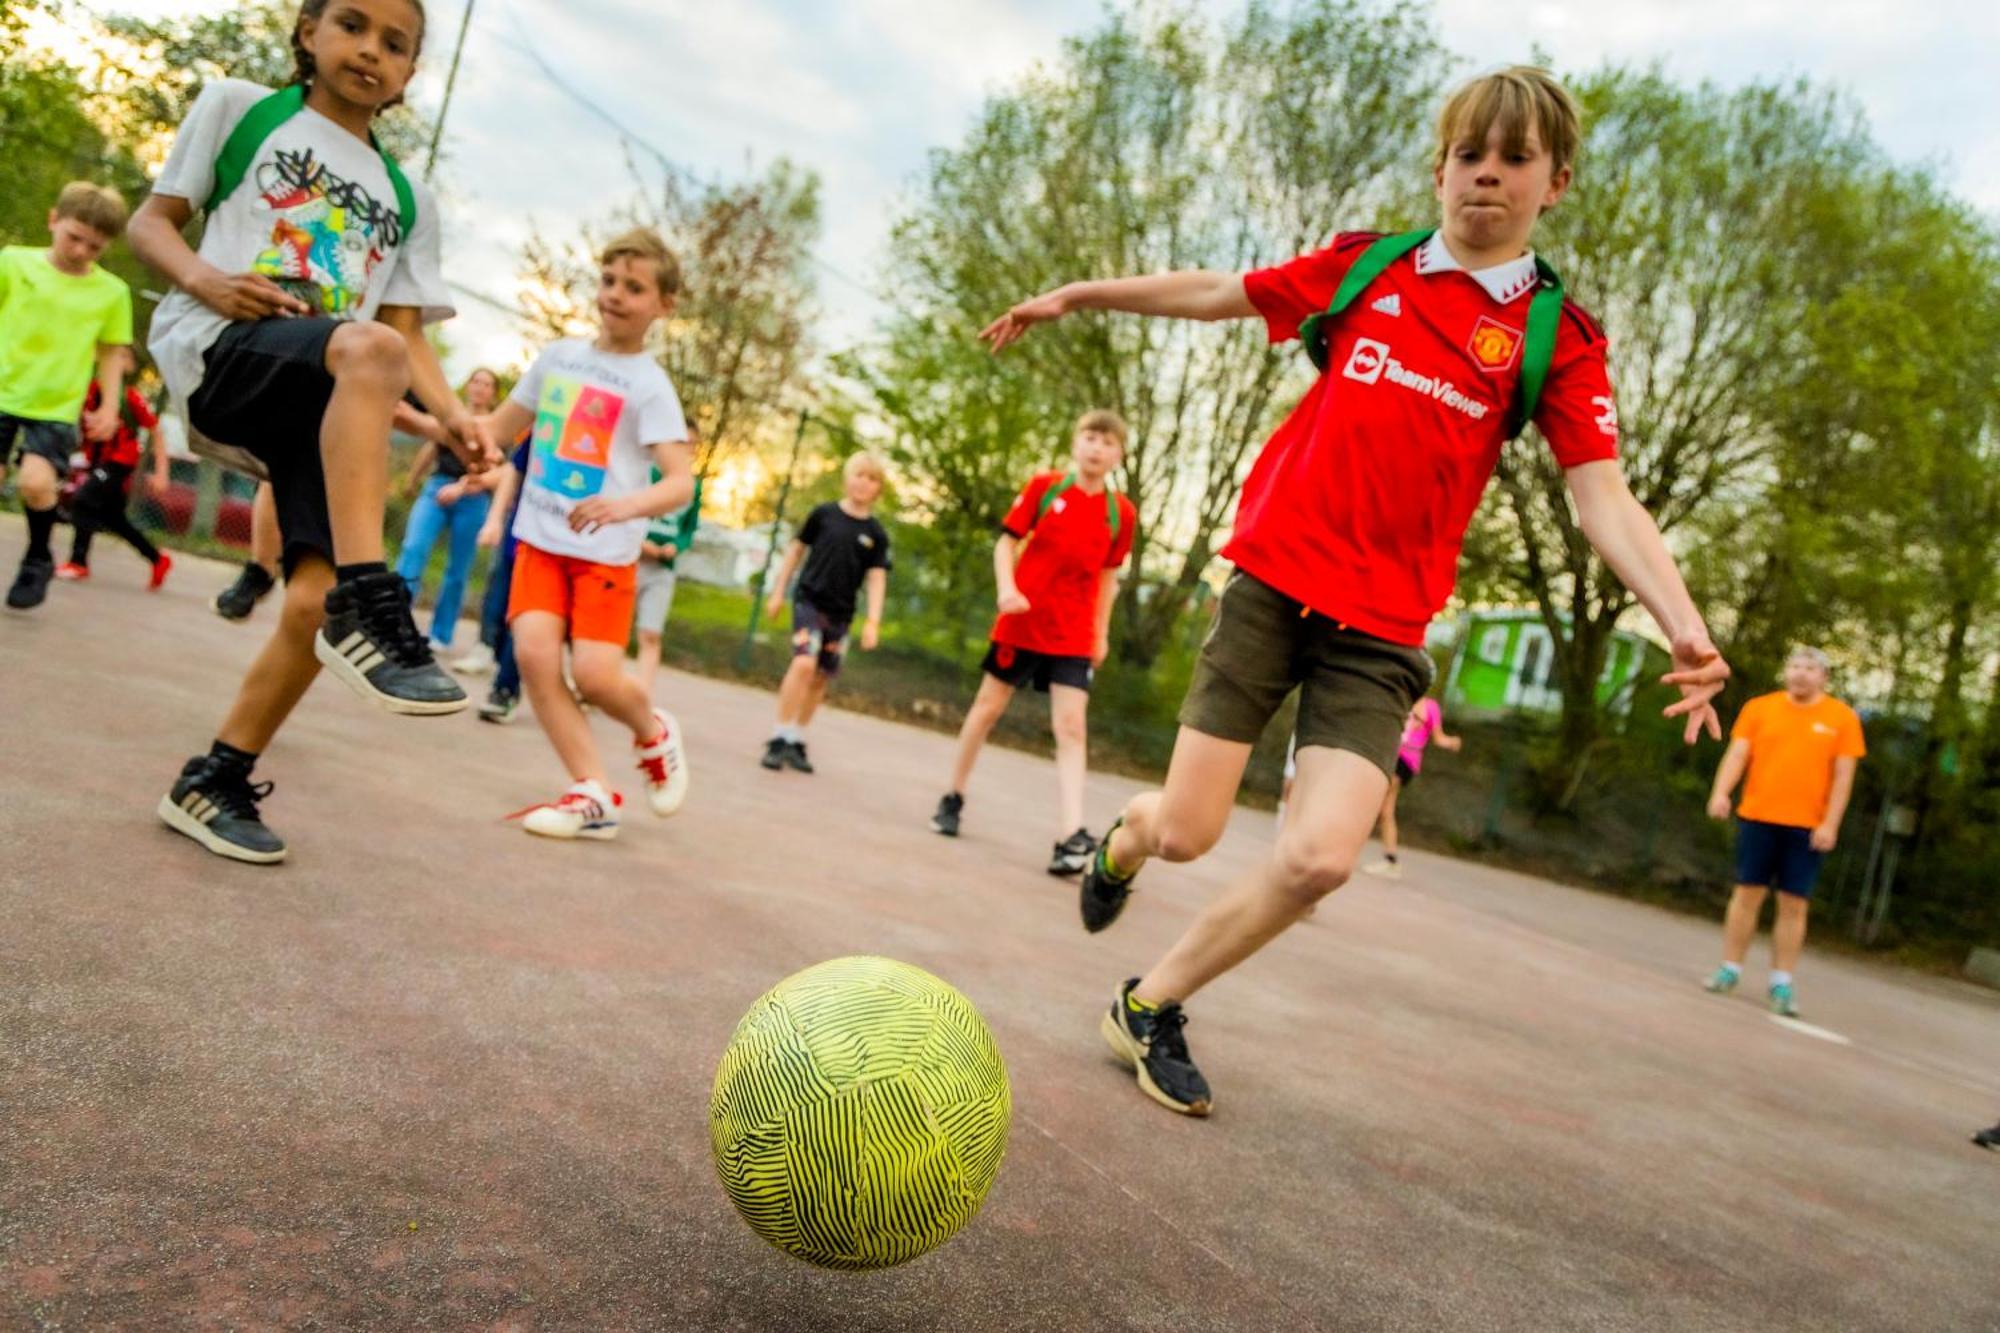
{"points": [[62, 319]]}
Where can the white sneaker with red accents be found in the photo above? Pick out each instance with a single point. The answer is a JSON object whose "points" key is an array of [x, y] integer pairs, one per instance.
{"points": [[586, 810], [664, 763]]}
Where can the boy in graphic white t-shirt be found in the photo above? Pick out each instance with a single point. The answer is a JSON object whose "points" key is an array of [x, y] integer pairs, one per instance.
{"points": [[604, 416], [293, 333]]}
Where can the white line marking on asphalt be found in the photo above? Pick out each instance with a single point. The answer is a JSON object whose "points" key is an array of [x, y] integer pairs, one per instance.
{"points": [[1809, 1030]]}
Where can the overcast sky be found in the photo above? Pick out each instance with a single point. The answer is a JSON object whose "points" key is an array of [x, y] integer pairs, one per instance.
{"points": [[859, 90]]}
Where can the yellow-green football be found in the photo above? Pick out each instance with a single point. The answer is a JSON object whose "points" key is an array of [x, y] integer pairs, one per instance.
{"points": [[860, 1113]]}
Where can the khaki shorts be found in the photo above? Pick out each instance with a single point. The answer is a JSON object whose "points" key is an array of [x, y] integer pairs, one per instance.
{"points": [[1354, 689]]}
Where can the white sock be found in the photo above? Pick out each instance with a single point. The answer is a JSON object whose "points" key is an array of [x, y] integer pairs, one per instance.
{"points": [[786, 732], [1781, 978]]}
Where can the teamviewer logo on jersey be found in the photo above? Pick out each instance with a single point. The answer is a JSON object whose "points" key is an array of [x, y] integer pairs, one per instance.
{"points": [[1365, 362]]}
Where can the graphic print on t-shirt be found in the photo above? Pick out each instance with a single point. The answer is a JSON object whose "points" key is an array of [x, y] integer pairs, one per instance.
{"points": [[328, 235], [574, 425]]}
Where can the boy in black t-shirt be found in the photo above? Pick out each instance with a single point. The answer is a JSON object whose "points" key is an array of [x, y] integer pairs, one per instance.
{"points": [[849, 551]]}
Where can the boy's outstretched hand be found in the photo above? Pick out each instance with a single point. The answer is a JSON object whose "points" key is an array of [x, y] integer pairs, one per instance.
{"points": [[1700, 673], [1010, 326]]}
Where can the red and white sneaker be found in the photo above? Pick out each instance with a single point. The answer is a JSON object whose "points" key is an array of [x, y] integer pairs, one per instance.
{"points": [[664, 763], [71, 572], [159, 574], [586, 810]]}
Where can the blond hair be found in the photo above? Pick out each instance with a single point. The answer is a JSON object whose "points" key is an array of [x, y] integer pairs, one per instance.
{"points": [[98, 207], [1518, 99], [645, 243], [1105, 422], [868, 462]]}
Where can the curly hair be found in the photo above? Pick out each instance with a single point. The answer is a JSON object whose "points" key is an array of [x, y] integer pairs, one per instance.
{"points": [[302, 61]]}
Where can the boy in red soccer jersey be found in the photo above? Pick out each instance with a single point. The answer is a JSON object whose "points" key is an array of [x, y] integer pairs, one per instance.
{"points": [[100, 500], [1056, 571], [1434, 347]]}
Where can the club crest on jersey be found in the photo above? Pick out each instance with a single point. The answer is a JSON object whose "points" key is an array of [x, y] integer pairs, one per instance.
{"points": [[1493, 345]]}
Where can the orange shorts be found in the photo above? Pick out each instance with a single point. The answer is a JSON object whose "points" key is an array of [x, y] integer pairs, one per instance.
{"points": [[596, 600]]}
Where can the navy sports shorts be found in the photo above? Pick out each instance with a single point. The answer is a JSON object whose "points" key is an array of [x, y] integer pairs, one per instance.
{"points": [[1024, 666], [1776, 856], [817, 635]]}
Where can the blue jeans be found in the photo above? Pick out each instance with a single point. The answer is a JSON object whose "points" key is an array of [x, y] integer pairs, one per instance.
{"points": [[459, 524], [493, 617]]}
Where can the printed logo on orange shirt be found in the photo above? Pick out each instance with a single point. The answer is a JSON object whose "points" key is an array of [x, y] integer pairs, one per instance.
{"points": [[1493, 345]]}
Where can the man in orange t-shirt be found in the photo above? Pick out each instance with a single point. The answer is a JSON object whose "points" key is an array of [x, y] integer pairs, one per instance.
{"points": [[1800, 746]]}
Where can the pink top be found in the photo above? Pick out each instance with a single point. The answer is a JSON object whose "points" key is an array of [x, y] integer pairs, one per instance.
{"points": [[1429, 716]]}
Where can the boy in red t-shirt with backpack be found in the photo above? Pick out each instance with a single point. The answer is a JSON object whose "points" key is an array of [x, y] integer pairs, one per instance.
{"points": [[1434, 348], [1056, 569], [99, 502]]}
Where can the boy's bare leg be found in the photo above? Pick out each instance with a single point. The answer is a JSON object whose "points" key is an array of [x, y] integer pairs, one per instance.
{"points": [[370, 366], [1068, 710], [599, 671], [792, 690], [286, 667], [265, 546], [647, 659], [987, 707], [1788, 932], [1739, 924], [1185, 819], [1334, 804], [538, 649], [815, 696], [1388, 817]]}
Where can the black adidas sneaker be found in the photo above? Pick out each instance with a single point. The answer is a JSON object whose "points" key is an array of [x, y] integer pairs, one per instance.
{"points": [[370, 642], [240, 598], [1150, 1041], [215, 803]]}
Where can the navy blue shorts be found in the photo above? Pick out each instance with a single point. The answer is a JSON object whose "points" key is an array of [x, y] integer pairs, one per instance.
{"points": [[817, 635], [1776, 856], [1024, 666]]}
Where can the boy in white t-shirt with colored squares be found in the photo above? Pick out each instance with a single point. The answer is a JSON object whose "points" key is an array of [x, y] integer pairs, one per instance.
{"points": [[604, 415]]}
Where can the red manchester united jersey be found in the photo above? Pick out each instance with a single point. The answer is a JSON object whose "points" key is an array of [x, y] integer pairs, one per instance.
{"points": [[1061, 564], [1359, 502]]}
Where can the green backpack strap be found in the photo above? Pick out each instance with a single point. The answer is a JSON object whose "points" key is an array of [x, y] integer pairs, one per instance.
{"points": [[265, 115], [1544, 316], [1377, 257], [1053, 493]]}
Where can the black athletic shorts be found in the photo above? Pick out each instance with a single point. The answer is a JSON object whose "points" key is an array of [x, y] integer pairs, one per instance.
{"points": [[1025, 666], [1404, 773], [817, 635], [52, 440], [265, 389]]}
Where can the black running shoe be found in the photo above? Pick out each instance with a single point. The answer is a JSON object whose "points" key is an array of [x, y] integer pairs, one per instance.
{"points": [[500, 707], [1150, 1041], [370, 642], [945, 821], [795, 758], [31, 585], [240, 598], [776, 751], [216, 805], [1988, 1138], [1073, 853], [1104, 894]]}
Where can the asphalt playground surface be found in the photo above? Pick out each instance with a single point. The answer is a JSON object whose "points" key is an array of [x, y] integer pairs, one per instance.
{"points": [[436, 1073]]}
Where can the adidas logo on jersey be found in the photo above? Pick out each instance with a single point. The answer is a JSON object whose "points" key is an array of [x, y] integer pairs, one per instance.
{"points": [[1392, 304]]}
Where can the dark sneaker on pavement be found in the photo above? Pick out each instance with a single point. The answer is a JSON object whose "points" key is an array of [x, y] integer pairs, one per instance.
{"points": [[31, 585], [1150, 1041], [776, 751], [370, 643], [1988, 1138], [1103, 894], [1073, 853], [795, 758], [945, 821], [240, 598], [216, 805], [500, 706]]}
